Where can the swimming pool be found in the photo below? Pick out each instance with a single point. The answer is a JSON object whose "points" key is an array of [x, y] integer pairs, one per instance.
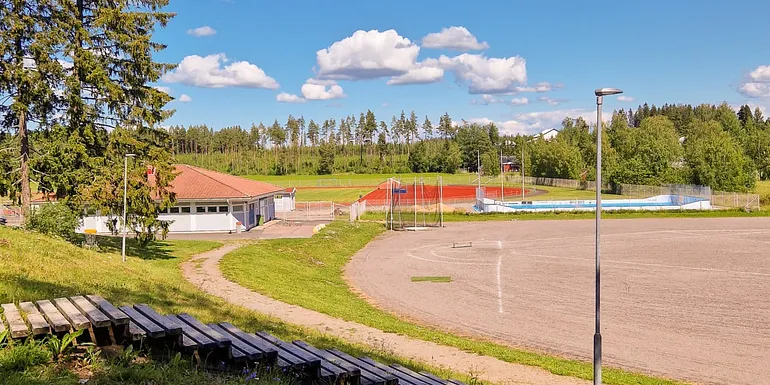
{"points": [[660, 202]]}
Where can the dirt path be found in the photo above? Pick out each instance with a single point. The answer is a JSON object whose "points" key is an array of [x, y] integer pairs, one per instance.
{"points": [[203, 271]]}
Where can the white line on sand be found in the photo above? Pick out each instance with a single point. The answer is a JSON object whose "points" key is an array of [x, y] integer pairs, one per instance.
{"points": [[499, 284]]}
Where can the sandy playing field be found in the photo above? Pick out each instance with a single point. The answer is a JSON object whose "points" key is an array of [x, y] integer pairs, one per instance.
{"points": [[681, 298]]}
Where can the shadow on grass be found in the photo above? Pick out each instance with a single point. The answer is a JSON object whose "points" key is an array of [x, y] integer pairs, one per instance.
{"points": [[113, 244]]}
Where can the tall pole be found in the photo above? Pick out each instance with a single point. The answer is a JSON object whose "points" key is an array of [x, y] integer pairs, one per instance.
{"points": [[125, 192], [415, 202], [478, 167], [597, 334], [502, 177], [441, 200], [522, 172]]}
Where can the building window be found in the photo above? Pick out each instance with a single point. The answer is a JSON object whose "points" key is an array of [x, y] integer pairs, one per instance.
{"points": [[186, 210], [237, 209], [174, 210], [200, 209], [212, 209], [223, 209]]}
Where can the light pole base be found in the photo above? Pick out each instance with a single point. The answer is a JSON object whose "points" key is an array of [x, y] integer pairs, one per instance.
{"points": [[597, 359]]}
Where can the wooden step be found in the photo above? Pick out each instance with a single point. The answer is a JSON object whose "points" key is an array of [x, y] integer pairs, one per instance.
{"points": [[16, 325], [56, 320], [35, 319]]}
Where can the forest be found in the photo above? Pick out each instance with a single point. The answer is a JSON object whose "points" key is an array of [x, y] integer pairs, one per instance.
{"points": [[711, 145]]}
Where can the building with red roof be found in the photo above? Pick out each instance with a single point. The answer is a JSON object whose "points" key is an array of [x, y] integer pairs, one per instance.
{"points": [[210, 201]]}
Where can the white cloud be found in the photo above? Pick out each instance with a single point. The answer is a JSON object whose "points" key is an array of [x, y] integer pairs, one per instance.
{"points": [[202, 31], [184, 98], [453, 38], [486, 75], [541, 120], [755, 89], [367, 55], [508, 127], [314, 89], [539, 87], [519, 101], [208, 72], [284, 97], [425, 72], [321, 90], [624, 98], [163, 89], [551, 101], [761, 74]]}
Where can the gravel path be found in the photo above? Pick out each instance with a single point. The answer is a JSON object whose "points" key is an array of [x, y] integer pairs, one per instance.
{"points": [[682, 298], [203, 271]]}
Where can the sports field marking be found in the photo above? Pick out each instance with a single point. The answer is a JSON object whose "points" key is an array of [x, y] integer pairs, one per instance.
{"points": [[499, 284]]}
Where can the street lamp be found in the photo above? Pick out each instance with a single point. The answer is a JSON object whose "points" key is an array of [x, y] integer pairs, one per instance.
{"points": [[600, 94], [125, 199]]}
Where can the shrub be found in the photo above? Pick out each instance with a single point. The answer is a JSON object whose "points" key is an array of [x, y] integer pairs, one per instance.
{"points": [[54, 219]]}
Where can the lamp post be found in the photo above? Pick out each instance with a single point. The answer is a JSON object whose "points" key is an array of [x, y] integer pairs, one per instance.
{"points": [[600, 94], [125, 202]]}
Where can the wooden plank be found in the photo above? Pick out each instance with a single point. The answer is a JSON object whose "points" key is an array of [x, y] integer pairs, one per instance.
{"points": [[310, 359], [151, 329], [78, 320], [188, 345], [35, 319], [331, 368], [403, 379], [96, 317], [170, 327], [433, 377], [270, 351], [353, 375], [16, 325], [455, 382], [116, 316], [56, 319], [212, 334], [251, 352], [367, 370], [418, 376], [137, 333], [196, 336]]}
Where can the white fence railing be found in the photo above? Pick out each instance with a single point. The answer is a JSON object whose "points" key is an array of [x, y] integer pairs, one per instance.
{"points": [[357, 209], [308, 211]]}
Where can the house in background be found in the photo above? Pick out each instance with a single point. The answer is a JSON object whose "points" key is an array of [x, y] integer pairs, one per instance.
{"points": [[210, 201], [284, 200]]}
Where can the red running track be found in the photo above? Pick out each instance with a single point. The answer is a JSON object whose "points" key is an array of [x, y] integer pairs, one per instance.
{"points": [[431, 193]]}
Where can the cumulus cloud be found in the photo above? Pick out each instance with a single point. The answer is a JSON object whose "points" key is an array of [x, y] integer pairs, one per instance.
{"points": [[202, 31], [424, 73], [321, 90], [761, 74], [209, 72], [184, 98], [284, 97], [367, 55], [551, 101], [507, 127], [453, 38], [314, 89], [485, 75], [624, 98], [519, 101], [539, 87], [755, 89], [540, 120]]}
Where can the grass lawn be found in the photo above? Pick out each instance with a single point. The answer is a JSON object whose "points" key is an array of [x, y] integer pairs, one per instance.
{"points": [[274, 267], [336, 195], [35, 266]]}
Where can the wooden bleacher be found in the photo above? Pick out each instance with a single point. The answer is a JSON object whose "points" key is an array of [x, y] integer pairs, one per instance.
{"points": [[140, 325]]}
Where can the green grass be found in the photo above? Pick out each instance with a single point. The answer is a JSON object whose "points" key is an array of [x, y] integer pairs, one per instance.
{"points": [[336, 195], [273, 267], [35, 266], [443, 279]]}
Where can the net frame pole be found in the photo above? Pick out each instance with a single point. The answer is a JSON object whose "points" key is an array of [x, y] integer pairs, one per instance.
{"points": [[422, 195], [441, 201], [415, 201]]}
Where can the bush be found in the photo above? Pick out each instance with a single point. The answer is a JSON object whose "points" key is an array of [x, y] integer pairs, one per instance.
{"points": [[54, 219]]}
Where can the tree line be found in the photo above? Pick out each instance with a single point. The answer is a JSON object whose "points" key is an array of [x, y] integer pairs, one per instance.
{"points": [[75, 99], [710, 145]]}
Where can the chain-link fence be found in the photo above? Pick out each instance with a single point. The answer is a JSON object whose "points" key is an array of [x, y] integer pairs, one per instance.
{"points": [[736, 200], [308, 211]]}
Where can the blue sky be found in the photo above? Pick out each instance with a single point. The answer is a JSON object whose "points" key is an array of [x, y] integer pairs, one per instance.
{"points": [[523, 65]]}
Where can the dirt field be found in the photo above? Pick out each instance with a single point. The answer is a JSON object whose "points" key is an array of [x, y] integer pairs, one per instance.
{"points": [[681, 298]]}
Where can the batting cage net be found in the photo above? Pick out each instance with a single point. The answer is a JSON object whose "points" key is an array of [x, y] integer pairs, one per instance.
{"points": [[414, 205]]}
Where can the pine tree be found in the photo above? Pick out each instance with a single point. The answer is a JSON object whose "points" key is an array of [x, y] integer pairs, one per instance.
{"points": [[427, 128]]}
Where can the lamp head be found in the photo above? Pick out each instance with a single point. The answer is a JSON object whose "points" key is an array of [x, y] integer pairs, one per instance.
{"points": [[607, 91]]}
